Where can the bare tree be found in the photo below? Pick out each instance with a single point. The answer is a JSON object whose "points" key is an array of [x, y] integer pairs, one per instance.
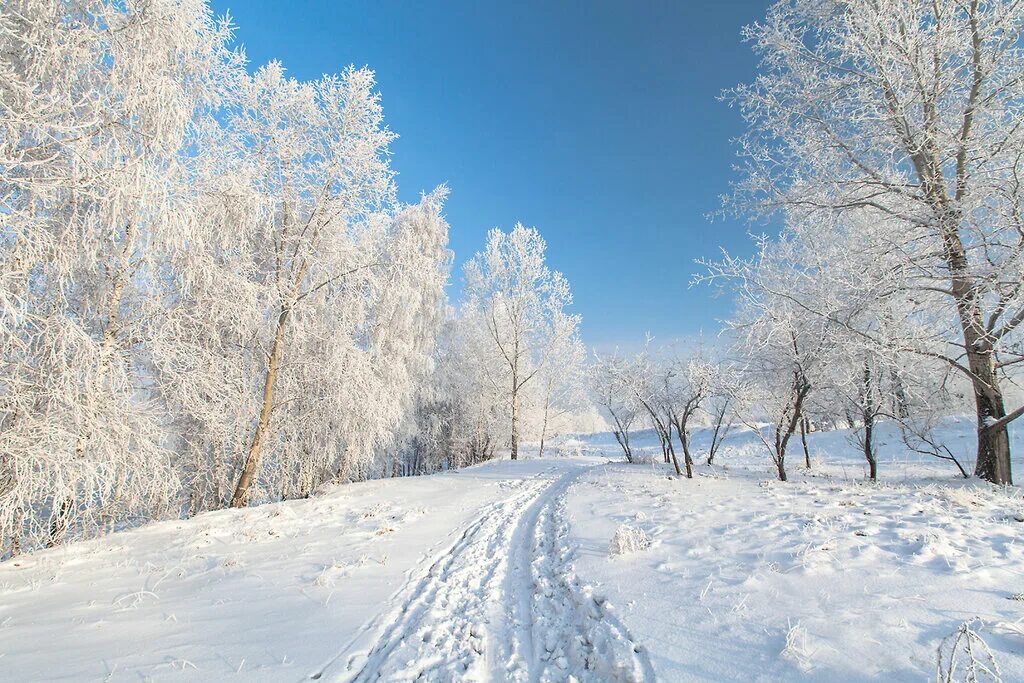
{"points": [[614, 397]]}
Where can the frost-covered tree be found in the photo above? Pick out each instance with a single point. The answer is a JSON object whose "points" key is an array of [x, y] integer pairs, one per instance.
{"points": [[321, 171], [906, 115], [689, 382], [610, 388], [561, 385], [781, 348], [721, 405], [208, 292], [100, 104], [520, 304]]}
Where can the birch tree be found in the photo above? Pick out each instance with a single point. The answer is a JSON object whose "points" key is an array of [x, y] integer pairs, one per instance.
{"points": [[562, 381], [520, 303], [322, 171], [100, 101]]}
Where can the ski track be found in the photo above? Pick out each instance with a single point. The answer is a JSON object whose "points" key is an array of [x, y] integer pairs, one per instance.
{"points": [[570, 632], [500, 603]]}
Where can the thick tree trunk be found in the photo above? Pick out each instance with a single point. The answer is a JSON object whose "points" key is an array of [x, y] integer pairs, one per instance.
{"points": [[993, 461], [252, 460]]}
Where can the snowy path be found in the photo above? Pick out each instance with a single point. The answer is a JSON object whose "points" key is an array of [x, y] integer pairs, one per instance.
{"points": [[500, 603]]}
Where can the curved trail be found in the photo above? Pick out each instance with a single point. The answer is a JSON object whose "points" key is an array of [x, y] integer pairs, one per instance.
{"points": [[500, 603]]}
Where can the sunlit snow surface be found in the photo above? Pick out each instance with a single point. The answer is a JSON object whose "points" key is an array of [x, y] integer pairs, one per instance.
{"points": [[503, 572]]}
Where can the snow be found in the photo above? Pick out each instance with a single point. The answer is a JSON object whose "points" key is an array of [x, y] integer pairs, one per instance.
{"points": [[504, 572], [821, 578]]}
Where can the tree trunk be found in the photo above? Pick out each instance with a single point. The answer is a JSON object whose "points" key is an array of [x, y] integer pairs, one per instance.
{"points": [[869, 449], [868, 413], [543, 430], [684, 439], [993, 461], [803, 440], [60, 522], [16, 533], [784, 432], [715, 443], [780, 465], [515, 414], [252, 460], [622, 436], [675, 461]]}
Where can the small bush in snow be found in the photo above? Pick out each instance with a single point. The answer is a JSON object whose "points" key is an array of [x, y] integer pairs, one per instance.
{"points": [[644, 458], [964, 656], [628, 539]]}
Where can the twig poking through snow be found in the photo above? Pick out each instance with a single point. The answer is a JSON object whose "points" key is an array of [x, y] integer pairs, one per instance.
{"points": [[965, 648]]}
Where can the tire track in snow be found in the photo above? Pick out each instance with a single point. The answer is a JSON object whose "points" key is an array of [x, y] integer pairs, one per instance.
{"points": [[437, 630], [500, 603], [564, 631]]}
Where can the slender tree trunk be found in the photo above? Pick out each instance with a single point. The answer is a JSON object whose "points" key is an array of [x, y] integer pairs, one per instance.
{"points": [[515, 411], [803, 440], [16, 533], [60, 522], [868, 412], [675, 461], [719, 419], [899, 396], [621, 433], [869, 448], [544, 429], [684, 439], [252, 460], [783, 432], [780, 466]]}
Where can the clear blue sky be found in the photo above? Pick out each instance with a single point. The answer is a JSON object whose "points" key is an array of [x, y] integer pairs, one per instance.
{"points": [[596, 122]]}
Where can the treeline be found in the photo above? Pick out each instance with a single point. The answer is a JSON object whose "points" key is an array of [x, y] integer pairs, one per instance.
{"points": [[210, 295]]}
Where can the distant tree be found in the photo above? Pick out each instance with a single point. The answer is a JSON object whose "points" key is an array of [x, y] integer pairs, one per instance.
{"points": [[610, 387], [562, 381], [520, 303]]}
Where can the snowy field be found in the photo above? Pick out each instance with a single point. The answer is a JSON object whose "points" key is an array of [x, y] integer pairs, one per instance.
{"points": [[506, 572]]}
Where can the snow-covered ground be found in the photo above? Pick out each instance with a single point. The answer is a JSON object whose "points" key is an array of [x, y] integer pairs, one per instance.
{"points": [[504, 572], [821, 578]]}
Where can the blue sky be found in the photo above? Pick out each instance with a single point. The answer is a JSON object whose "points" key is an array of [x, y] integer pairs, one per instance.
{"points": [[596, 122]]}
